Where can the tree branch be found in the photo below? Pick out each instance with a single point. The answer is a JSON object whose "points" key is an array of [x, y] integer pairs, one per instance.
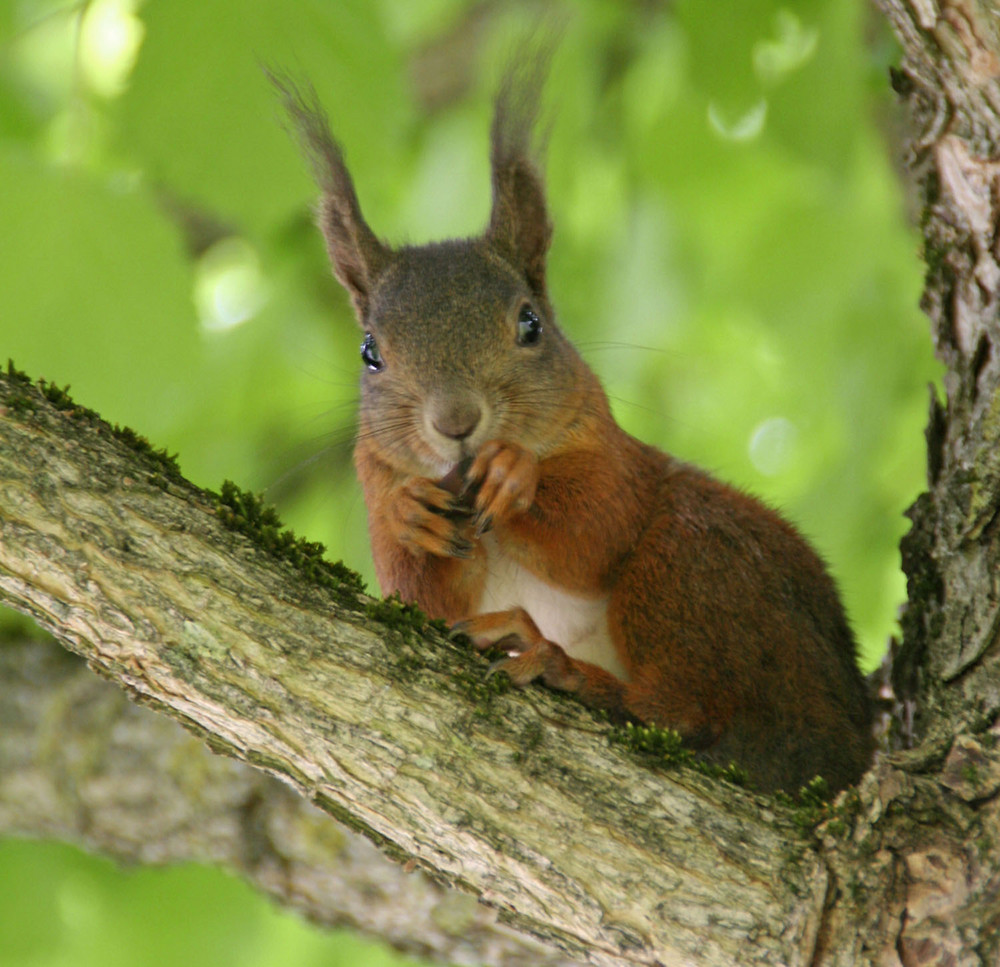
{"points": [[79, 762], [517, 798]]}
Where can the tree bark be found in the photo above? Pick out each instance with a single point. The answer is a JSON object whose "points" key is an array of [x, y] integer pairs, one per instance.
{"points": [[79, 762], [518, 797], [950, 79]]}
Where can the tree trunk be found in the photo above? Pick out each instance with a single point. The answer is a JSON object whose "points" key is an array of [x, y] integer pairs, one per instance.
{"points": [[519, 798], [949, 665]]}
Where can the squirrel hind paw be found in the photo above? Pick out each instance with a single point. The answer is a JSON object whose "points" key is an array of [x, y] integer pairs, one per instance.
{"points": [[521, 668], [494, 626]]}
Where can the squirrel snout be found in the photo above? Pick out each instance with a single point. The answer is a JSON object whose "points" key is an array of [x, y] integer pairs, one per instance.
{"points": [[456, 419]]}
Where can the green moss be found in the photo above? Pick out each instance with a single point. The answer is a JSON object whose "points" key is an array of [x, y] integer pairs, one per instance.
{"points": [[970, 773], [837, 827], [816, 792], [855, 888], [484, 687], [664, 745], [477, 684], [16, 375], [398, 615], [409, 622], [731, 773], [481, 689], [247, 514], [19, 405], [529, 740], [985, 845], [58, 396], [665, 748], [167, 467], [20, 400], [28, 395], [811, 806]]}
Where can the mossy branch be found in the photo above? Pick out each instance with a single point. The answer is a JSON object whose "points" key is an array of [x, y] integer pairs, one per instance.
{"points": [[201, 606]]}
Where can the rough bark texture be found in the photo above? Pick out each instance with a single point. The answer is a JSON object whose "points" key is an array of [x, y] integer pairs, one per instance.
{"points": [[948, 672], [79, 762], [950, 79], [518, 798]]}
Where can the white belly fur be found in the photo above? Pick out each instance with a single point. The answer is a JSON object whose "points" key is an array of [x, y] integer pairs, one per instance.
{"points": [[578, 624]]}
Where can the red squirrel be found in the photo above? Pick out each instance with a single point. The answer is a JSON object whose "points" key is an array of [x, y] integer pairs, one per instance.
{"points": [[503, 497]]}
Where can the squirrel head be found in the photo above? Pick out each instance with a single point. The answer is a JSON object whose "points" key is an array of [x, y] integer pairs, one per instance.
{"points": [[461, 344]]}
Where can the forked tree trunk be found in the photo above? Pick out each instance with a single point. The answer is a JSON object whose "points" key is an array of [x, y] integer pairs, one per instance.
{"points": [[519, 799]]}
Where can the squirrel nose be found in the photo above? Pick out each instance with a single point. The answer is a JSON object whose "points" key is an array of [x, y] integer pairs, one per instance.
{"points": [[458, 419]]}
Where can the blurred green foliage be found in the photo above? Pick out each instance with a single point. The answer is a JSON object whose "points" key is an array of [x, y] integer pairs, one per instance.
{"points": [[75, 910], [731, 254]]}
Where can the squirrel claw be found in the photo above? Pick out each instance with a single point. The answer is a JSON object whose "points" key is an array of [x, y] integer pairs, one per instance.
{"points": [[427, 519], [468, 491], [522, 668], [457, 630], [505, 477], [458, 511], [461, 548], [496, 666]]}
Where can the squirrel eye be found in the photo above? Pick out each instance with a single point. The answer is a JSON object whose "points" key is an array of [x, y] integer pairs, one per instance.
{"points": [[529, 326], [370, 354]]}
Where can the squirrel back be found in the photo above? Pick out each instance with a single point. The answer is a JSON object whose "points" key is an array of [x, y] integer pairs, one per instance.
{"points": [[503, 497]]}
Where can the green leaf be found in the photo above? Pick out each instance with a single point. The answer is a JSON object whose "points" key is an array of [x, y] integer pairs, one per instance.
{"points": [[201, 119], [94, 291]]}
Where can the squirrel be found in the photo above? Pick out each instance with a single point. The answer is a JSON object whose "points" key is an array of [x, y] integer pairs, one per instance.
{"points": [[503, 497]]}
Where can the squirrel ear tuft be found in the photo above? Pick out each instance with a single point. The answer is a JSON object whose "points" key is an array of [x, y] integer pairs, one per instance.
{"points": [[519, 223], [357, 256]]}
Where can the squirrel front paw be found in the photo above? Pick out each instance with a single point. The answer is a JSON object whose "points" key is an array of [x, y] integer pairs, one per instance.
{"points": [[425, 518], [504, 477]]}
